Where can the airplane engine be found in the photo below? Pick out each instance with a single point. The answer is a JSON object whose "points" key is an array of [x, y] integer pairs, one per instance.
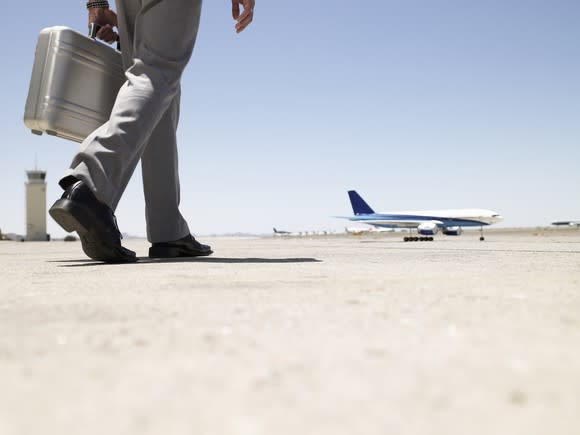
{"points": [[452, 231], [427, 229]]}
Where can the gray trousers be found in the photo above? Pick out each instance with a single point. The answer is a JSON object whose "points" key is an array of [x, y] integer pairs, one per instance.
{"points": [[157, 39]]}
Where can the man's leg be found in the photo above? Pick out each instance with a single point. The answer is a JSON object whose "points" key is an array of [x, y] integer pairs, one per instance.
{"points": [[166, 229], [164, 220]]}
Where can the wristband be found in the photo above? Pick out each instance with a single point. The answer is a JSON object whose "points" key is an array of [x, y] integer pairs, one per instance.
{"points": [[93, 4]]}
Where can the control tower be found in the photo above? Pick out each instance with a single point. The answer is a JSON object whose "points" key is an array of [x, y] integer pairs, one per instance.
{"points": [[36, 206]]}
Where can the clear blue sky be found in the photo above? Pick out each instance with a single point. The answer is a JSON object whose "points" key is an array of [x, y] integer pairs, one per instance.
{"points": [[423, 104]]}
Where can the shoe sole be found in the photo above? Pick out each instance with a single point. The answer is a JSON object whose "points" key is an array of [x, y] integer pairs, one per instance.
{"points": [[167, 252], [74, 217]]}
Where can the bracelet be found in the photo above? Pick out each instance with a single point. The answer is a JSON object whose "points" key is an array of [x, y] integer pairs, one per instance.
{"points": [[92, 4]]}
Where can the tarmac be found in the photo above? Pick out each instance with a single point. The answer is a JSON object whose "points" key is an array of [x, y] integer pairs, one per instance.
{"points": [[295, 335]]}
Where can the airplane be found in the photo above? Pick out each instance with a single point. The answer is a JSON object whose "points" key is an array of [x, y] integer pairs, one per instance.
{"points": [[567, 223], [358, 231], [427, 222], [278, 232]]}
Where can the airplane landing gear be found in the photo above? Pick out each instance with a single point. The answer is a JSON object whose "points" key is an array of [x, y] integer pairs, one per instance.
{"points": [[417, 239], [412, 238], [481, 238]]}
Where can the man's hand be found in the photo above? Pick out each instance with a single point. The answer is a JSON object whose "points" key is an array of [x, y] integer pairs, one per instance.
{"points": [[247, 15], [107, 19]]}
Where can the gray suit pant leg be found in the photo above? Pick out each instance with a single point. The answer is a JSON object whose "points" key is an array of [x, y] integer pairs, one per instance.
{"points": [[157, 39], [162, 193]]}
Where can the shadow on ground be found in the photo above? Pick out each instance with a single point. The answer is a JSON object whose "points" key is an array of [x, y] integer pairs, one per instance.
{"points": [[146, 260]]}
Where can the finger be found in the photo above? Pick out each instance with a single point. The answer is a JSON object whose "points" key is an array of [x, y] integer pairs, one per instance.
{"points": [[244, 23], [240, 27], [113, 38], [104, 32], [107, 34], [109, 38], [248, 9], [244, 15], [235, 9]]}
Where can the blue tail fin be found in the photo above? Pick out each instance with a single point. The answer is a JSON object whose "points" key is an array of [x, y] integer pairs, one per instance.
{"points": [[359, 206]]}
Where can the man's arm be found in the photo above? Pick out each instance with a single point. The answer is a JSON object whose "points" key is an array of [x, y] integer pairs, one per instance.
{"points": [[99, 13], [246, 16]]}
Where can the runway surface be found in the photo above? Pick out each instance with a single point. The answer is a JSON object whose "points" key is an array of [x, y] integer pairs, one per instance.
{"points": [[322, 335]]}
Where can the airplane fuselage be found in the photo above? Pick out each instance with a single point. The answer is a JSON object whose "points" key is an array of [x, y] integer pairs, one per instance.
{"points": [[567, 223], [443, 218]]}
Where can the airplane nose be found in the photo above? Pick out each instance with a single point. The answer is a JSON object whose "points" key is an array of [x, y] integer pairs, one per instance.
{"points": [[497, 217]]}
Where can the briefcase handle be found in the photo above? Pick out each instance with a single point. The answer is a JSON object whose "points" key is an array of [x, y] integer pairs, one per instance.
{"points": [[94, 29]]}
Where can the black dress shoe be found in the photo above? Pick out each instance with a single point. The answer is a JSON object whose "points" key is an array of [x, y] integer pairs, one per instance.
{"points": [[79, 210], [186, 247]]}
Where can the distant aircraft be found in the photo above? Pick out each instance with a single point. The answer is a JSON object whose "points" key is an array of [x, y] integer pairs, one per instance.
{"points": [[358, 231], [427, 222], [281, 232], [567, 223]]}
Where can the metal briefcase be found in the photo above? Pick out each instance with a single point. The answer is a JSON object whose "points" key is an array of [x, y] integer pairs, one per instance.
{"points": [[74, 84]]}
